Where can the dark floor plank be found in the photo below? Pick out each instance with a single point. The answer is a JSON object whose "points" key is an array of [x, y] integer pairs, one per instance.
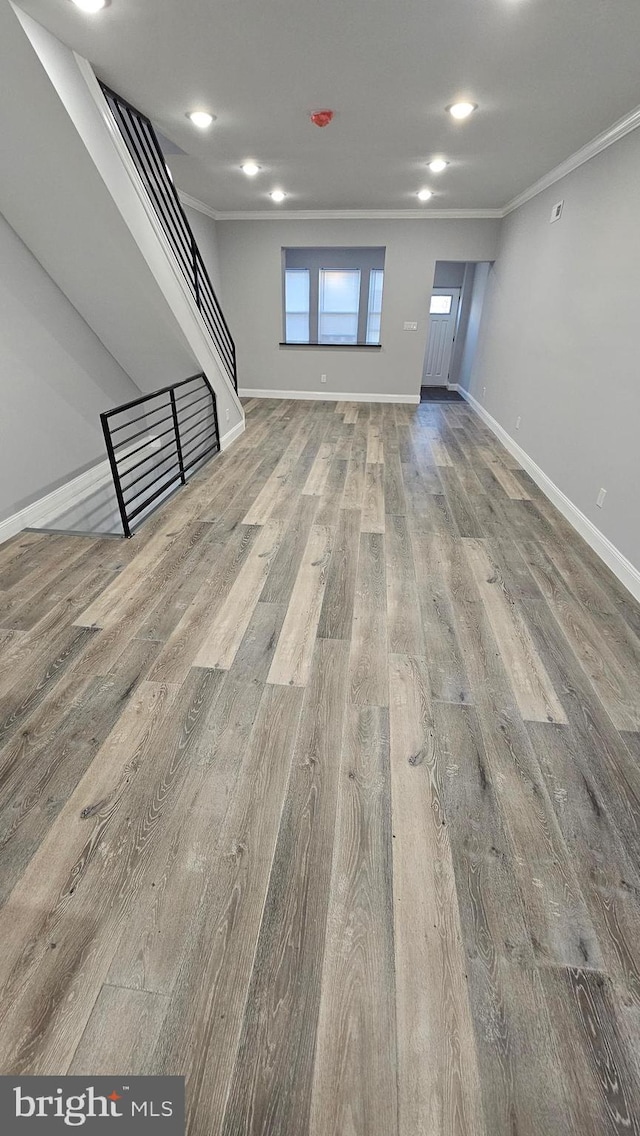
{"points": [[47, 669], [120, 1034], [434, 1024], [271, 1085], [170, 608], [464, 515], [354, 1087], [255, 653], [433, 554], [331, 499], [394, 499], [41, 765], [336, 615], [368, 670], [206, 1009], [86, 571], [609, 879], [612, 670], [405, 634], [157, 937], [602, 1084], [182, 646], [284, 569], [420, 481], [532, 687], [520, 1055], [556, 915], [22, 550], [509, 570], [489, 896], [613, 773], [294, 652], [61, 923]]}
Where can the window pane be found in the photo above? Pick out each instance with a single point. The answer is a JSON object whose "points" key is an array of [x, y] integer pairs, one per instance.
{"points": [[339, 291], [338, 305], [373, 328], [338, 328], [297, 327], [440, 305], [296, 292], [375, 305]]}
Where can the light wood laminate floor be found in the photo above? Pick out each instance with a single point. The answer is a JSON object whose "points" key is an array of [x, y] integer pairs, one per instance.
{"points": [[324, 791]]}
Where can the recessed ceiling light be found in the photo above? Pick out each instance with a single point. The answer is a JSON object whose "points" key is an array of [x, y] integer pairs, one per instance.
{"points": [[462, 110], [438, 165], [201, 118], [250, 169], [424, 194], [277, 195], [91, 5]]}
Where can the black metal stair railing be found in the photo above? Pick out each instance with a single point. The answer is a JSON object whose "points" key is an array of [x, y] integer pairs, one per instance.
{"points": [[143, 145], [155, 443]]}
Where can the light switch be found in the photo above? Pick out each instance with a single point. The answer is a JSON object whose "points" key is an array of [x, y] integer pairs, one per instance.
{"points": [[409, 326]]}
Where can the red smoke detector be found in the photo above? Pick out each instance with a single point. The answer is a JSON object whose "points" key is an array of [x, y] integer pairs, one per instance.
{"points": [[322, 117]]}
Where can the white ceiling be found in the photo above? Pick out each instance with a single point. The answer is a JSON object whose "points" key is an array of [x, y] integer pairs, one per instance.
{"points": [[548, 76]]}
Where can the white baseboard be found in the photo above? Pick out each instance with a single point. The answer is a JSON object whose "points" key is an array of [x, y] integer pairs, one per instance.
{"points": [[231, 435], [626, 572], [43, 511], [453, 387], [329, 396]]}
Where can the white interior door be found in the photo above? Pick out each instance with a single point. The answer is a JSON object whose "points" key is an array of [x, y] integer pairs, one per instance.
{"points": [[443, 317]]}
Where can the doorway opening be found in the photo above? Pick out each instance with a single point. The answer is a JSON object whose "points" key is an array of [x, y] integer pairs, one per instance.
{"points": [[455, 308]]}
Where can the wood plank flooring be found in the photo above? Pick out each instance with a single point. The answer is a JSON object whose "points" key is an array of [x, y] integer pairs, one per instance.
{"points": [[324, 792]]}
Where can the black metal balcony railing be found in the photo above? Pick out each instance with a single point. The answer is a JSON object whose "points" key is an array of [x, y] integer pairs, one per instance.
{"points": [[142, 143], [156, 442]]}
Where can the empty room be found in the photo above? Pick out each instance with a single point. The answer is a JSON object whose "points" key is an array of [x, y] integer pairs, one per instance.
{"points": [[320, 567]]}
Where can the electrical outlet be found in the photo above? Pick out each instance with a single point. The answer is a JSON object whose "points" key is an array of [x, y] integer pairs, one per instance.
{"points": [[600, 498], [323, 378], [518, 421], [409, 325], [226, 414]]}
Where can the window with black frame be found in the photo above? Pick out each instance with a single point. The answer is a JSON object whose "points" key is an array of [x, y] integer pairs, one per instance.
{"points": [[332, 296]]}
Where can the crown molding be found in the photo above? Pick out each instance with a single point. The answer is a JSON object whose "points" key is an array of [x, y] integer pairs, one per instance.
{"points": [[614, 133], [363, 215], [341, 214], [199, 206]]}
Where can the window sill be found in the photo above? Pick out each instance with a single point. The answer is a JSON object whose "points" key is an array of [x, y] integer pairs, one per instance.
{"points": [[336, 346]]}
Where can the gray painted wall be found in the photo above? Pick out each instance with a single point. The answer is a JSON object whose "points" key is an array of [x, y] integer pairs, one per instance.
{"points": [[449, 274], [251, 266], [54, 198], [559, 338], [468, 337], [55, 379], [206, 234], [466, 290]]}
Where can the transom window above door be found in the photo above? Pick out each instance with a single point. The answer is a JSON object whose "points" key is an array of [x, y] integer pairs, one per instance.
{"points": [[440, 305], [333, 296]]}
